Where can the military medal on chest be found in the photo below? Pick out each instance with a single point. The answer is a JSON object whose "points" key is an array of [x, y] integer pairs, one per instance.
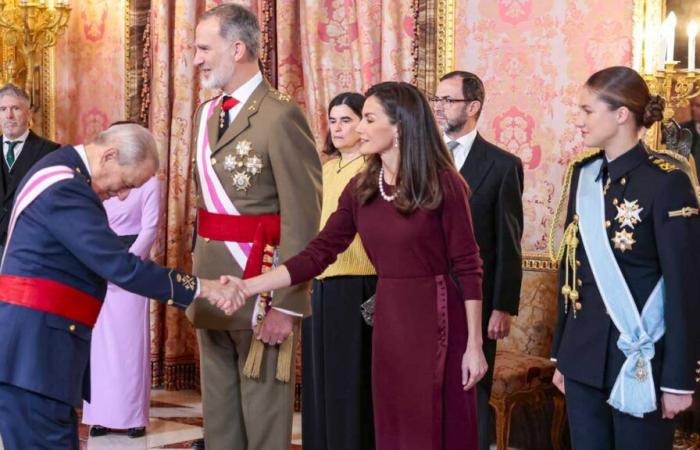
{"points": [[243, 165], [628, 215]]}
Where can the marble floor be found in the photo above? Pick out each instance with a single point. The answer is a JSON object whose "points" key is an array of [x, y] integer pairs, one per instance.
{"points": [[176, 420]]}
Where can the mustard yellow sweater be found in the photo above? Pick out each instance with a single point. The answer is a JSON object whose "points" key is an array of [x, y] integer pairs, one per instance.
{"points": [[354, 260]]}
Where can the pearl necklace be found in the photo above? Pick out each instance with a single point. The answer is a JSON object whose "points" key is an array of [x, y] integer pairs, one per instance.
{"points": [[388, 198]]}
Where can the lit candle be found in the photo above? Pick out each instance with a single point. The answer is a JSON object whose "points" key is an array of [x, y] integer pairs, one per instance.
{"points": [[660, 33], [638, 37], [650, 49], [670, 35], [692, 32]]}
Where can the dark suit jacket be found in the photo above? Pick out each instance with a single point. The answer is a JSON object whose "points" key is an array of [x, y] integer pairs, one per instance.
{"points": [[495, 178], [64, 236], [696, 143], [34, 149]]}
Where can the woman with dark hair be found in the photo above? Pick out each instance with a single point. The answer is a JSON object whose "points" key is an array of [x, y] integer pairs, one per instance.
{"points": [[625, 337], [410, 208], [337, 344]]}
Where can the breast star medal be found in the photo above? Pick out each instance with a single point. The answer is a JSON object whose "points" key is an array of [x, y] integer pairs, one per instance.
{"points": [[628, 213], [243, 165], [623, 240]]}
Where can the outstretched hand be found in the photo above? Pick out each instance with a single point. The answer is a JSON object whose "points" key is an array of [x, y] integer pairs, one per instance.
{"points": [[227, 294]]}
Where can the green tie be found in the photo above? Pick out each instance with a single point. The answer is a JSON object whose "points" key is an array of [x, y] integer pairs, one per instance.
{"points": [[10, 158]]}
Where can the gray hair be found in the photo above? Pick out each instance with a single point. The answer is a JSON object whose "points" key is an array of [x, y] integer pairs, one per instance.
{"points": [[135, 143], [237, 23], [15, 91]]}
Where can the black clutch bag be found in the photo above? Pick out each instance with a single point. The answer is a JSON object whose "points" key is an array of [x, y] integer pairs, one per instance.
{"points": [[367, 311]]}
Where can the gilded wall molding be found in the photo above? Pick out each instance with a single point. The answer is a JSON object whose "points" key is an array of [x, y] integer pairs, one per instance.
{"points": [[445, 18], [47, 109]]}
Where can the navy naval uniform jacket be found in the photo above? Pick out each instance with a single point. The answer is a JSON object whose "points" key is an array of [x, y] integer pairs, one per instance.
{"points": [[64, 236], [585, 347]]}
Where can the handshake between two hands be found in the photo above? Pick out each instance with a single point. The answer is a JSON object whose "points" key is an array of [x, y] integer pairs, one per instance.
{"points": [[229, 293]]}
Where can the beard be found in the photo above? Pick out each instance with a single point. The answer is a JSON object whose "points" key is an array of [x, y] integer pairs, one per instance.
{"points": [[219, 76], [454, 125]]}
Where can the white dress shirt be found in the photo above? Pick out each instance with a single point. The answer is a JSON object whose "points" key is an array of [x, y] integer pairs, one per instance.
{"points": [[18, 147], [460, 153], [242, 94]]}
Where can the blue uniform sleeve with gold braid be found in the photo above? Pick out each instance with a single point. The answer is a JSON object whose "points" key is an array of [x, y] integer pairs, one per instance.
{"points": [[677, 240]]}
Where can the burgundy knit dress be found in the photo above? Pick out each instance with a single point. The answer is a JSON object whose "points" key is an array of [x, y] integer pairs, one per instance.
{"points": [[420, 331]]}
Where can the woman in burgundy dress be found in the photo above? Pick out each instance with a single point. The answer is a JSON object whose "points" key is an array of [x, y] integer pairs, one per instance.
{"points": [[411, 211]]}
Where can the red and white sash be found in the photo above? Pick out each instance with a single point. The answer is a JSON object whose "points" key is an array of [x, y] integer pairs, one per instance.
{"points": [[38, 183], [213, 193]]}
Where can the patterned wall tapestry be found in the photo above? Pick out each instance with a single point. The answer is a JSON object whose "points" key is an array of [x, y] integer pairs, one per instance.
{"points": [[533, 55], [90, 70], [327, 47]]}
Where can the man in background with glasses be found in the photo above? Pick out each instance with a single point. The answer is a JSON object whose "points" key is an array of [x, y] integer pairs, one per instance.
{"points": [[495, 179]]}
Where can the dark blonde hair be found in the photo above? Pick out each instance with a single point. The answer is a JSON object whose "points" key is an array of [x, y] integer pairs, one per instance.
{"points": [[423, 154], [620, 86]]}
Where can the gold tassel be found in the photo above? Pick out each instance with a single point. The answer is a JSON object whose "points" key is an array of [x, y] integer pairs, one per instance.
{"points": [[285, 357], [253, 363]]}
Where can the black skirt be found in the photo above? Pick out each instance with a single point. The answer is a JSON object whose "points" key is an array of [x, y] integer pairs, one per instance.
{"points": [[336, 366]]}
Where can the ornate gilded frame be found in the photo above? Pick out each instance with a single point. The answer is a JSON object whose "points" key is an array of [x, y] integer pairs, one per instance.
{"points": [[445, 11]]}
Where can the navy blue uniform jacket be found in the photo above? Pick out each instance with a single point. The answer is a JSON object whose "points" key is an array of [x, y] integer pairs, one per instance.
{"points": [[64, 236]]}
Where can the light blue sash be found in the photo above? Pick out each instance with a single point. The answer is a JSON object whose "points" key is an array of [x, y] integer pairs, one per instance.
{"points": [[633, 392]]}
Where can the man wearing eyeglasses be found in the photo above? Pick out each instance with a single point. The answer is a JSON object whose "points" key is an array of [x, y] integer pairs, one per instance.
{"points": [[495, 178]]}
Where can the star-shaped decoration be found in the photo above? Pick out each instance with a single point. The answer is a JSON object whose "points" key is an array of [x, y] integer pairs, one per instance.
{"points": [[254, 165], [243, 148], [628, 213], [241, 181], [229, 163], [623, 240]]}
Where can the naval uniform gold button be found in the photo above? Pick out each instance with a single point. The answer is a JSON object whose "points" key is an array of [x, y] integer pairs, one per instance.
{"points": [[213, 161], [578, 263], [579, 283], [578, 306], [171, 302], [72, 327], [615, 201], [623, 181], [607, 224]]}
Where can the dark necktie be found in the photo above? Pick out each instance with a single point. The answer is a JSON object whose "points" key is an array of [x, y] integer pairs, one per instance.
{"points": [[451, 146], [10, 157], [227, 102]]}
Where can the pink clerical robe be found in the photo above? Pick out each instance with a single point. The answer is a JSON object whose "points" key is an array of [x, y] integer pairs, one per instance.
{"points": [[119, 357]]}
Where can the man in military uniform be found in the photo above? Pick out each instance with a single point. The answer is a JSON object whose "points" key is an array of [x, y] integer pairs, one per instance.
{"points": [[59, 256], [22, 148], [258, 182], [648, 231]]}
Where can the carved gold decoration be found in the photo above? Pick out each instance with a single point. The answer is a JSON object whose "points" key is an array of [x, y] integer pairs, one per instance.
{"points": [[674, 85], [29, 26], [445, 18], [29, 32]]}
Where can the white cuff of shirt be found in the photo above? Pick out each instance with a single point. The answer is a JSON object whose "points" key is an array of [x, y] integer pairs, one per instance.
{"points": [[199, 287], [676, 391], [288, 312]]}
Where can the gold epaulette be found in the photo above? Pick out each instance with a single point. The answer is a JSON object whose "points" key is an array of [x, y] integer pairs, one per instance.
{"points": [[664, 165], [281, 96], [584, 157]]}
